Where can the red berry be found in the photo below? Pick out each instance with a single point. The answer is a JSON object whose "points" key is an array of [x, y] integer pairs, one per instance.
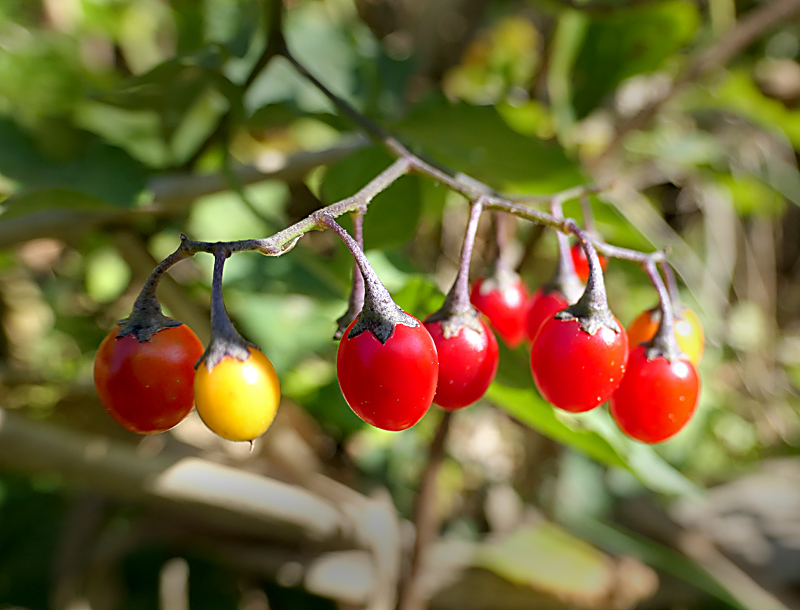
{"points": [[391, 385], [467, 364], [543, 304], [147, 387], [581, 263], [505, 306], [656, 398], [574, 370]]}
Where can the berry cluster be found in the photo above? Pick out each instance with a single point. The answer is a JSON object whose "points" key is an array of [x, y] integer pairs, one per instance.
{"points": [[145, 376], [391, 367]]}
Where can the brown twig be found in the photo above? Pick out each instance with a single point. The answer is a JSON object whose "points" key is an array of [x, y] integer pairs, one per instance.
{"points": [[426, 520]]}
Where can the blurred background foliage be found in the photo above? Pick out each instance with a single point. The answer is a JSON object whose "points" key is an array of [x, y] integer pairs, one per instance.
{"points": [[124, 123]]}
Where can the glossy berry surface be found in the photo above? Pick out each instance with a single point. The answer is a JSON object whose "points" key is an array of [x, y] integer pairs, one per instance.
{"points": [[391, 385], [238, 399], [574, 370], [467, 364], [543, 305], [506, 308], [147, 387], [581, 263], [688, 331], [656, 398]]}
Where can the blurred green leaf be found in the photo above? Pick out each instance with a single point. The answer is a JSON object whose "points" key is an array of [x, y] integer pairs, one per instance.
{"points": [[393, 215], [70, 159], [420, 297], [626, 42], [477, 141], [530, 409], [107, 275], [623, 542], [593, 434], [751, 197], [548, 559]]}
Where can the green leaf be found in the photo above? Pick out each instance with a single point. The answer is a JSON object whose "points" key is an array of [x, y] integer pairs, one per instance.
{"points": [[548, 559], [51, 213], [623, 542], [595, 435], [393, 215], [477, 141], [628, 42], [65, 158], [529, 408]]}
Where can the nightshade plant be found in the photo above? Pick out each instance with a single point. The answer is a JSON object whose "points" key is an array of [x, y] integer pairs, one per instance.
{"points": [[388, 366]]}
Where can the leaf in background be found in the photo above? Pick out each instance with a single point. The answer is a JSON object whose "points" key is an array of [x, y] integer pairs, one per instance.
{"points": [[530, 409], [477, 141], [420, 297], [393, 215], [629, 42], [51, 213], [569, 36], [550, 560], [595, 435], [79, 161], [622, 542]]}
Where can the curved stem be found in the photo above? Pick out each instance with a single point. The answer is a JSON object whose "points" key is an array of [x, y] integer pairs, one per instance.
{"points": [[355, 302], [225, 339], [594, 297], [664, 342], [374, 290], [672, 286], [220, 322], [565, 279], [457, 300]]}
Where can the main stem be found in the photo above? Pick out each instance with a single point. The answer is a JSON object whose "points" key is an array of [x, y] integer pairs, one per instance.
{"points": [[426, 521]]}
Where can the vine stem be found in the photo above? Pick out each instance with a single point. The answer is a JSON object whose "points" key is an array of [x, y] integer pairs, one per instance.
{"points": [[425, 518]]}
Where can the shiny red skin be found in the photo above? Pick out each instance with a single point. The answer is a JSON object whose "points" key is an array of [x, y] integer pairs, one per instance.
{"points": [[656, 398], [542, 306], [390, 386], [505, 309], [148, 387], [467, 365], [574, 370], [581, 263]]}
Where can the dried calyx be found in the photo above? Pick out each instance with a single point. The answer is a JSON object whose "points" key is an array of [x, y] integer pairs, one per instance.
{"points": [[457, 311], [225, 340], [380, 313], [591, 310]]}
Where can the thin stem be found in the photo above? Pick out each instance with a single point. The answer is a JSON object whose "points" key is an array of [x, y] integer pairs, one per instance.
{"points": [[426, 521], [588, 214], [594, 298], [355, 302], [147, 300], [664, 342], [374, 290], [220, 322], [672, 285], [565, 280], [458, 298]]}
